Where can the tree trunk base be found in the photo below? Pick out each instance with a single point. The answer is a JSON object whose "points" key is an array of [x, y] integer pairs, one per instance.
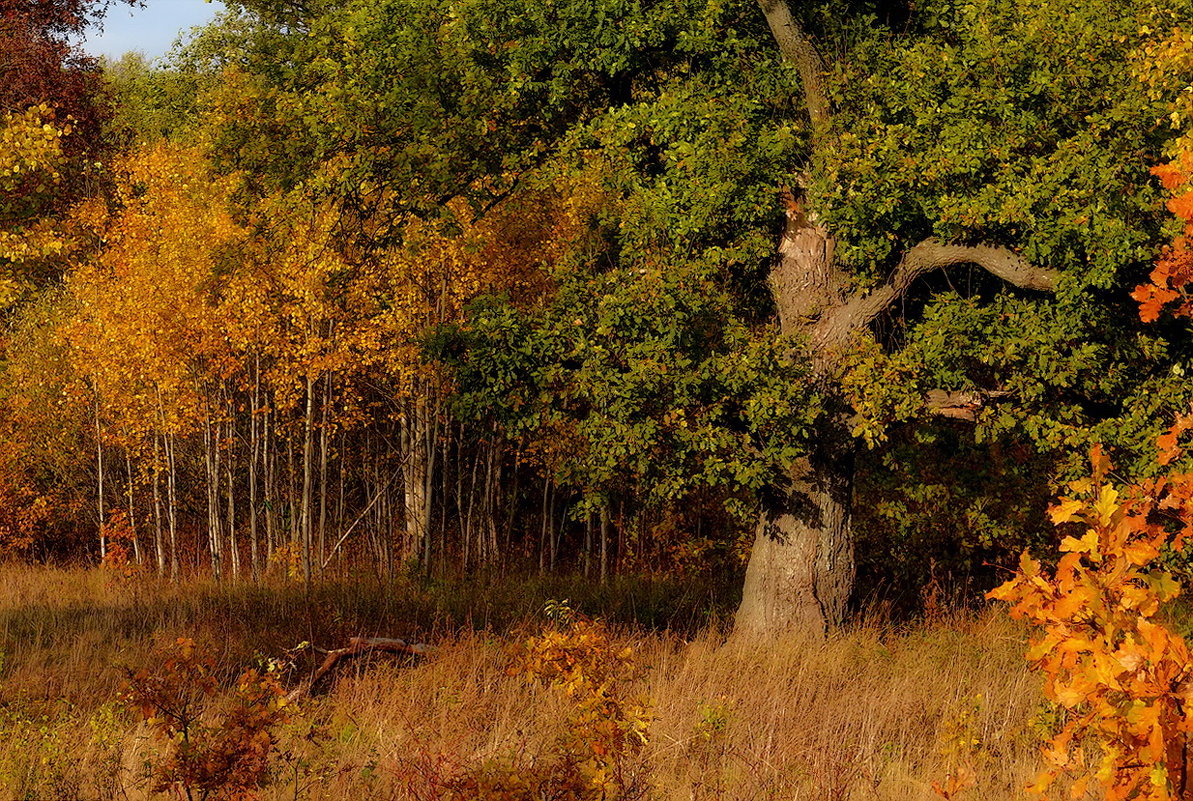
{"points": [[801, 568]]}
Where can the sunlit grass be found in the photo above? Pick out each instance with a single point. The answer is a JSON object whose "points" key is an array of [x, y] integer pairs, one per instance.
{"points": [[878, 711]]}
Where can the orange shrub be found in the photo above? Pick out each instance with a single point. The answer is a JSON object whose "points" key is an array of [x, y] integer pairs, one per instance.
{"points": [[1121, 677]]}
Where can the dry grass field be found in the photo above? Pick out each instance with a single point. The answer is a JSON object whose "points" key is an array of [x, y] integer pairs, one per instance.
{"points": [[879, 711]]}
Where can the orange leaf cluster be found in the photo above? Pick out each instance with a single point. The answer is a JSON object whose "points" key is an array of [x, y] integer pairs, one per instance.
{"points": [[1121, 676], [1168, 287], [1173, 273]]}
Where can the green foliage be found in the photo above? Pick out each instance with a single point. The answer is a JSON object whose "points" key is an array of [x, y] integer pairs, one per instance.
{"points": [[934, 505], [640, 385], [1017, 123], [151, 102], [442, 98], [637, 363], [38, 758], [648, 373], [1023, 125]]}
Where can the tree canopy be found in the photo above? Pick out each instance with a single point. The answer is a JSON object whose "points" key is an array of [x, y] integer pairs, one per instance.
{"points": [[709, 261]]}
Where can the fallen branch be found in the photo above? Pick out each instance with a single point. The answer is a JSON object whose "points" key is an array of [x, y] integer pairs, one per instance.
{"points": [[356, 647]]}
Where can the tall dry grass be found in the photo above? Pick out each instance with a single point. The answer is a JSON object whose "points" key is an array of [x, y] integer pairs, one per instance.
{"points": [[877, 712]]}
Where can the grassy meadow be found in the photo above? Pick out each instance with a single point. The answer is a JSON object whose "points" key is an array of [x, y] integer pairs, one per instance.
{"points": [[879, 711]]}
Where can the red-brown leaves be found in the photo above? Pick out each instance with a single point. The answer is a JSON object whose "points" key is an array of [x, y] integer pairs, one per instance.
{"points": [[227, 758]]}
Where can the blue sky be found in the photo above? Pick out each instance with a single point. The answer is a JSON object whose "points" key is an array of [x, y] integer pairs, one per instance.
{"points": [[151, 29]]}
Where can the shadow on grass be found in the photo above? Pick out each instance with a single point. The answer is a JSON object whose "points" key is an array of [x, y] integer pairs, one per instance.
{"points": [[76, 642]]}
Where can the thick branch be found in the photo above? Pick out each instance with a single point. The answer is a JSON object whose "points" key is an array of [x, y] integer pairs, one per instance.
{"points": [[797, 48], [962, 405], [929, 255]]}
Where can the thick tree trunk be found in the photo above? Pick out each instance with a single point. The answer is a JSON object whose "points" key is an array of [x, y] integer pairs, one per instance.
{"points": [[801, 567]]}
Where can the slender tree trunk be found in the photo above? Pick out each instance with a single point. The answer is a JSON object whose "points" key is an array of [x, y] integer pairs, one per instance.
{"points": [[588, 545], [461, 516], [159, 548], [556, 534], [431, 446], [323, 440], [132, 508], [212, 464], [619, 558], [269, 447], [308, 445], [99, 491], [343, 476], [254, 455], [292, 497], [230, 489], [545, 528], [415, 474], [492, 476], [444, 493], [172, 503], [471, 546], [605, 542]]}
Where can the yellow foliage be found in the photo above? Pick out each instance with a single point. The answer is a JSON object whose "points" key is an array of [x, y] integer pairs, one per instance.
{"points": [[598, 758], [30, 145], [144, 323], [31, 158], [288, 291]]}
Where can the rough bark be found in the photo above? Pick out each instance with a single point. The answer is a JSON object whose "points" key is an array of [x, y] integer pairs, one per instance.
{"points": [[798, 49], [801, 568], [833, 330], [960, 405], [416, 470]]}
